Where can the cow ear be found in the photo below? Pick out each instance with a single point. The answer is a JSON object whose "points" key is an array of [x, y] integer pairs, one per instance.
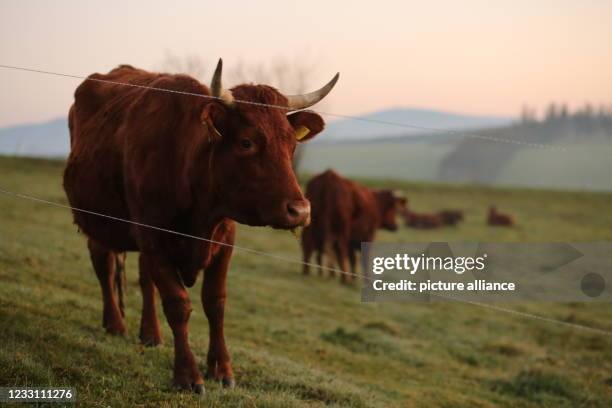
{"points": [[306, 124], [213, 117]]}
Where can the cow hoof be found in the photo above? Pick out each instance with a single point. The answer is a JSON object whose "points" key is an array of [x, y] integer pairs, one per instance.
{"points": [[195, 388], [198, 388], [228, 383]]}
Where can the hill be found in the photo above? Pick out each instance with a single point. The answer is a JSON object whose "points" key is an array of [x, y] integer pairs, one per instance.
{"points": [[579, 159], [46, 139], [303, 341], [579, 166], [379, 125], [568, 153], [51, 139]]}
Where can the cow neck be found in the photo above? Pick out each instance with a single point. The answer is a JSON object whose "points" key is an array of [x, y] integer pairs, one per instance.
{"points": [[205, 212]]}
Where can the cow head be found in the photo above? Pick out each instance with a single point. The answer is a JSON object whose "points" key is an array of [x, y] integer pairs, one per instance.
{"points": [[390, 205], [254, 131]]}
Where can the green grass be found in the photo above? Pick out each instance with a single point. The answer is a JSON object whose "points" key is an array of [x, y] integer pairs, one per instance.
{"points": [[296, 341]]}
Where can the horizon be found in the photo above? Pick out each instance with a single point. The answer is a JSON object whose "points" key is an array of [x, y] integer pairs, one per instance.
{"points": [[331, 120]]}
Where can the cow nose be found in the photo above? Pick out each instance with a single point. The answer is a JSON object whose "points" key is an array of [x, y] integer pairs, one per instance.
{"points": [[298, 212]]}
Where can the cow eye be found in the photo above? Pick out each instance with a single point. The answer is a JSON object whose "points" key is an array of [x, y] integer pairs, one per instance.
{"points": [[246, 144]]}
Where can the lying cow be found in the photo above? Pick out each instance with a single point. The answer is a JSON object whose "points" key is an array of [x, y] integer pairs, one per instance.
{"points": [[345, 214], [496, 218], [450, 217], [189, 164], [422, 220]]}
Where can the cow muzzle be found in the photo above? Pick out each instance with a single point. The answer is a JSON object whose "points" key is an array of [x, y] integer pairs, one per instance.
{"points": [[297, 213]]}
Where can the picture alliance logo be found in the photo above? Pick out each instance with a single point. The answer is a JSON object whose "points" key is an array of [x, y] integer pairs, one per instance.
{"points": [[488, 272], [413, 264]]}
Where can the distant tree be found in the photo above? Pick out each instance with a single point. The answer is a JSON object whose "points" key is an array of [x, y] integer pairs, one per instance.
{"points": [[528, 115], [604, 111], [586, 111], [552, 113], [190, 64]]}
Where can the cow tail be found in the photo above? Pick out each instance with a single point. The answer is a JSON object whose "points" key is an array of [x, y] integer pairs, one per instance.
{"points": [[120, 280]]}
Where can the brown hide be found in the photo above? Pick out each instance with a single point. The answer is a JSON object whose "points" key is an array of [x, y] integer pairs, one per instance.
{"points": [[496, 218], [185, 163], [344, 214], [450, 217], [422, 220], [145, 155]]}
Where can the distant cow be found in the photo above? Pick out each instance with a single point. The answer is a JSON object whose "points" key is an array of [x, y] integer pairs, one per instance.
{"points": [[450, 217], [345, 214], [496, 218], [422, 220], [184, 163]]}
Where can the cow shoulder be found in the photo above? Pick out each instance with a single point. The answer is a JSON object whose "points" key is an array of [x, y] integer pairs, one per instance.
{"points": [[164, 140]]}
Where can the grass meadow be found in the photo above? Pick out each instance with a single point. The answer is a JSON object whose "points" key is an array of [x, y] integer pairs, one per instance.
{"points": [[303, 341]]}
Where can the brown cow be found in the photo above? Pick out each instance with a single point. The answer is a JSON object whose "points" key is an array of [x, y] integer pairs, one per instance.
{"points": [[344, 214], [450, 217], [422, 220], [189, 164], [496, 218]]}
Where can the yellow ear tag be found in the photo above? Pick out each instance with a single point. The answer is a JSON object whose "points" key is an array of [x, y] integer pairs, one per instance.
{"points": [[301, 132]]}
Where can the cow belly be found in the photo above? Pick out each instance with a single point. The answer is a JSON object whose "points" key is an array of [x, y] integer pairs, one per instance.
{"points": [[96, 185]]}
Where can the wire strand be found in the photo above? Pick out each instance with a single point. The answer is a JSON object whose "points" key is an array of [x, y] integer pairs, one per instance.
{"points": [[182, 234], [337, 115], [296, 261]]}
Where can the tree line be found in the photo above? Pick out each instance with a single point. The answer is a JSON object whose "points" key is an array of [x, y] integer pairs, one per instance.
{"points": [[555, 112]]}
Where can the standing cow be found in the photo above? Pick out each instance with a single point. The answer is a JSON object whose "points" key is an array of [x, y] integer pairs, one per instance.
{"points": [[189, 164], [345, 214]]}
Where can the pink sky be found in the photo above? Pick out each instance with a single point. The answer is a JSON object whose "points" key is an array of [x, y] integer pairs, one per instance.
{"points": [[480, 57]]}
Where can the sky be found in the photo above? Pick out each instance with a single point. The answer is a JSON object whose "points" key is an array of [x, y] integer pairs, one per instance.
{"points": [[470, 56]]}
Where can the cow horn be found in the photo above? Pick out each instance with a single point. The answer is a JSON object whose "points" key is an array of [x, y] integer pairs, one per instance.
{"points": [[216, 86], [297, 102]]}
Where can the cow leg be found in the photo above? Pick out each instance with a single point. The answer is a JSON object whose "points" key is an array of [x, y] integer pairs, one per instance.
{"points": [[352, 255], [320, 262], [120, 280], [105, 264], [330, 258], [150, 334], [213, 299], [307, 248], [177, 308], [342, 258]]}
